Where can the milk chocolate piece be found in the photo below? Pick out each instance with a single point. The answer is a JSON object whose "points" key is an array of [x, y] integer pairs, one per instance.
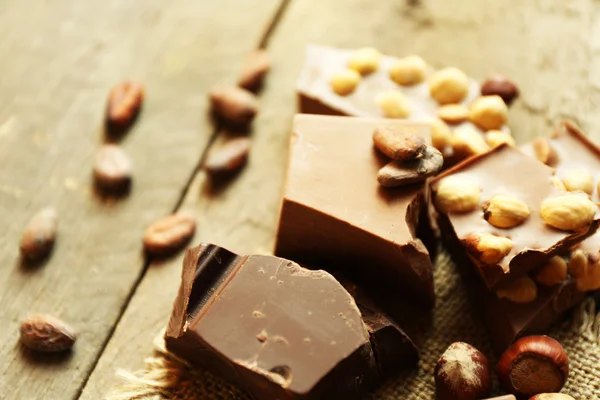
{"points": [[270, 326], [394, 350], [574, 151], [508, 171], [335, 213], [315, 95]]}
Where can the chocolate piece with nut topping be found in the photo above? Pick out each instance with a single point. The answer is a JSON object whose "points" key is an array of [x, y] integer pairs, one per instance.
{"points": [[278, 330], [336, 214], [507, 171]]}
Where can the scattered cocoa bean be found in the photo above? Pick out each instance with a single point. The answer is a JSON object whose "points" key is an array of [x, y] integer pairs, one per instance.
{"points": [[169, 234], [45, 333], [254, 70], [501, 86], [399, 144], [124, 103], [112, 169], [398, 173], [39, 236], [228, 157], [234, 105]]}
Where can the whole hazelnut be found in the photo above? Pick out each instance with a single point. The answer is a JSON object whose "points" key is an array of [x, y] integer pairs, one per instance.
{"points": [[408, 71], [488, 112], [365, 60], [501, 86], [533, 365], [449, 85], [393, 104], [462, 372], [551, 396], [344, 82]]}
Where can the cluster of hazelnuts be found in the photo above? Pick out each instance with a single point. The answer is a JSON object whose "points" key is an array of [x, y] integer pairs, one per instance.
{"points": [[534, 368]]}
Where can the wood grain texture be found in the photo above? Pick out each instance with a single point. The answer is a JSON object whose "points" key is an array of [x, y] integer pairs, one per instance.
{"points": [[548, 46], [60, 59]]}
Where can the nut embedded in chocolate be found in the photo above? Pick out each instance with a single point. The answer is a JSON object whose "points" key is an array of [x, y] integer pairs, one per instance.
{"points": [[495, 138], [457, 195], [544, 152], [124, 103], [234, 105], [169, 234], [488, 248], [228, 157], [344, 82], [400, 173], [399, 144], [39, 236], [522, 290], [500, 86], [467, 141], [448, 85], [488, 112], [393, 104], [365, 60], [453, 113], [504, 211], [408, 71], [254, 70], [45, 333], [533, 365], [578, 180], [462, 373], [568, 212], [553, 272]]}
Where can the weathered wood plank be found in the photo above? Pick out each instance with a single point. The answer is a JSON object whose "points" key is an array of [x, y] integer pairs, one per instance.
{"points": [[521, 40], [59, 60]]}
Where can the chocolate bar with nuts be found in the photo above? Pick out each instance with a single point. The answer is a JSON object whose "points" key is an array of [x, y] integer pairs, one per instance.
{"points": [[279, 330], [365, 83], [336, 214]]}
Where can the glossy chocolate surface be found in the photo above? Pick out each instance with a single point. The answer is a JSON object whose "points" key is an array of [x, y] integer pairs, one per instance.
{"points": [[336, 215], [277, 329], [506, 170]]}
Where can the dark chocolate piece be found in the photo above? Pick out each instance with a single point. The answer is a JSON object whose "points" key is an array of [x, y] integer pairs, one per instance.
{"points": [[277, 329], [336, 214], [507, 171], [393, 349]]}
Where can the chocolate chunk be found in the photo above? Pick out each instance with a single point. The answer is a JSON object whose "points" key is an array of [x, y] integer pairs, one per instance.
{"points": [[335, 213], [277, 329], [504, 171], [393, 349], [400, 173]]}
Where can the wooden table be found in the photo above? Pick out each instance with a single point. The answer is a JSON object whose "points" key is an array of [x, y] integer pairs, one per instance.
{"points": [[59, 59]]}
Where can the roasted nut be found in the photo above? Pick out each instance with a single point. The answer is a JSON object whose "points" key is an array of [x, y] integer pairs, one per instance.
{"points": [[365, 61], [553, 272], [440, 134], [467, 142], [399, 144], [394, 104], [408, 71], [462, 372], [169, 234], [488, 112], [533, 365], [558, 184], [568, 212], [344, 82], [578, 264], [254, 70], [233, 104], [39, 236], [522, 290], [399, 173], [504, 211], [448, 85], [544, 151], [590, 281], [112, 169], [488, 248], [45, 333], [501, 86], [453, 113], [228, 157], [579, 180], [495, 138], [457, 195], [124, 103], [551, 396]]}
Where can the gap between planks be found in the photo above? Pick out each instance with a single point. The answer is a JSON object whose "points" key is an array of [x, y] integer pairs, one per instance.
{"points": [[263, 44]]}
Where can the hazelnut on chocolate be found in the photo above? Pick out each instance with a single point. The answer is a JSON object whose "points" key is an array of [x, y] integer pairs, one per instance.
{"points": [[579, 180], [504, 211], [457, 195], [488, 248], [393, 104], [533, 365], [462, 372], [344, 82], [440, 134], [495, 138], [408, 71], [488, 112], [544, 152], [453, 113], [501, 86], [467, 141], [365, 60], [522, 290], [449, 85], [553, 272], [568, 212]]}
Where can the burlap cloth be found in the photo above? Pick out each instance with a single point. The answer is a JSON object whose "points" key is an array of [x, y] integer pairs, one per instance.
{"points": [[167, 378]]}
